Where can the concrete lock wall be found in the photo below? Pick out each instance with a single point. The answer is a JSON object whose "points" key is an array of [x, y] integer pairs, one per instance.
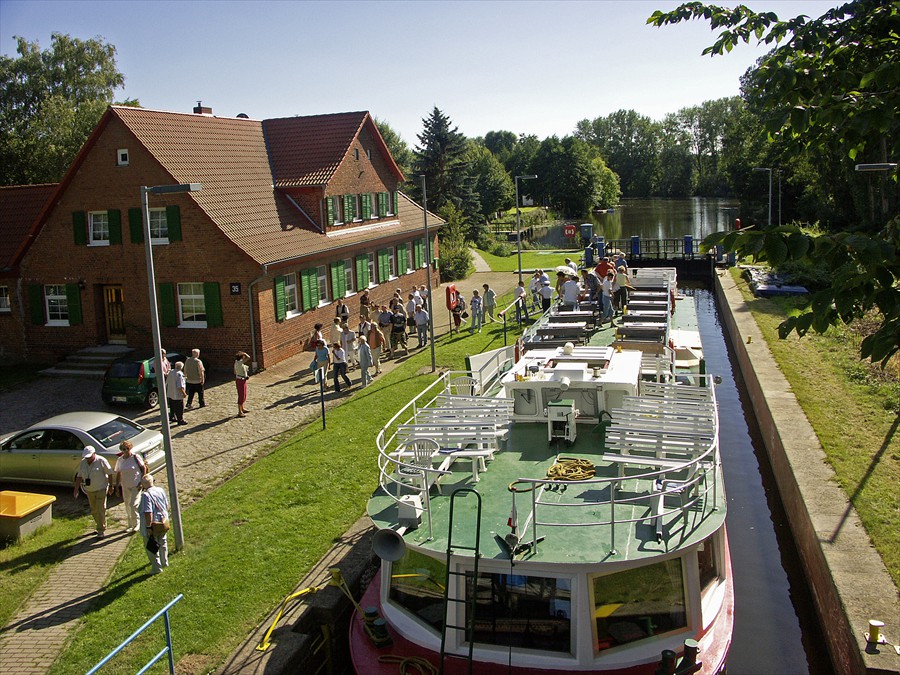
{"points": [[848, 580]]}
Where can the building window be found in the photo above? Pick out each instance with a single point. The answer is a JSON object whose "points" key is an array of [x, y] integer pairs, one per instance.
{"points": [[4, 299], [348, 277], [291, 304], [392, 262], [369, 154], [410, 250], [191, 306], [122, 157], [57, 305], [358, 208], [98, 228], [373, 276], [356, 154], [159, 226], [322, 280]]}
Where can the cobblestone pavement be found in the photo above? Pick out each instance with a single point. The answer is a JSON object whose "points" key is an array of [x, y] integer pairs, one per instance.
{"points": [[209, 449]]}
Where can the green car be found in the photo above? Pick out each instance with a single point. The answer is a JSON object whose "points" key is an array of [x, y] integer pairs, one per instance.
{"points": [[130, 380]]}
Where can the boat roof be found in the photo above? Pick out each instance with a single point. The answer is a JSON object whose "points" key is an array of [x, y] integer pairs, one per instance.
{"points": [[629, 510]]}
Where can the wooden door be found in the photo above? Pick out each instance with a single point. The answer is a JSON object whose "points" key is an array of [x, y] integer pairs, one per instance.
{"points": [[114, 305]]}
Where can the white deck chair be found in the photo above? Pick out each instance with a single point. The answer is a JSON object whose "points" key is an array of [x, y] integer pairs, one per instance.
{"points": [[463, 385], [417, 468]]}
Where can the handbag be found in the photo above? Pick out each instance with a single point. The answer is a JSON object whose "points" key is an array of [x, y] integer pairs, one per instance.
{"points": [[152, 545], [159, 527], [465, 315]]}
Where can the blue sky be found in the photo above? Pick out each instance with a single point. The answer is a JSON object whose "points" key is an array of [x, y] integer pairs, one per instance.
{"points": [[530, 67]]}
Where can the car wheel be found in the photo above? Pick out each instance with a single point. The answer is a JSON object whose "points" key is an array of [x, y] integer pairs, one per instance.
{"points": [[152, 398]]}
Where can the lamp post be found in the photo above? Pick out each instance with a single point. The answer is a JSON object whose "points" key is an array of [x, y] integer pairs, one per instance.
{"points": [[157, 348], [770, 190], [428, 274], [518, 223]]}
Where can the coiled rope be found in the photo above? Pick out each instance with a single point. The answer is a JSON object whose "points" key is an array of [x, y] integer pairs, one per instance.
{"points": [[410, 664], [571, 468]]}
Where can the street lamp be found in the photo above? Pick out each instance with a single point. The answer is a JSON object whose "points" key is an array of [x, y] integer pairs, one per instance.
{"points": [[428, 248], [770, 190], [157, 347], [518, 223]]}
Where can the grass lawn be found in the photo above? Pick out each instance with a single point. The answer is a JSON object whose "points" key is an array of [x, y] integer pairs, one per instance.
{"points": [[853, 408], [532, 259], [249, 541]]}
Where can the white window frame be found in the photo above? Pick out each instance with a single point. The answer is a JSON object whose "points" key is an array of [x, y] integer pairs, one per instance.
{"points": [[411, 256], [390, 204], [349, 277], [322, 283], [373, 269], [357, 208], [291, 296], [188, 294], [4, 300], [155, 216], [122, 157], [373, 200], [338, 203], [392, 262], [56, 305], [93, 239]]}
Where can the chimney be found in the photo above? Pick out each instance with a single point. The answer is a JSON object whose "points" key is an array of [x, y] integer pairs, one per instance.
{"points": [[201, 110]]}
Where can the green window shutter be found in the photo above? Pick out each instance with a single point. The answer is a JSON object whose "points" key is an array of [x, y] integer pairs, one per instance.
{"points": [[280, 311], [213, 300], [420, 247], [338, 279], [73, 303], [173, 222], [397, 202], [136, 225], [384, 266], [401, 259], [349, 211], [167, 314], [36, 304], [366, 206], [329, 211], [115, 226], [382, 203], [362, 272], [79, 227], [309, 289]]}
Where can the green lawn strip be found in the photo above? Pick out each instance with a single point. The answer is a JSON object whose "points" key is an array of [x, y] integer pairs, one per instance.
{"points": [[249, 541], [850, 409], [546, 260], [24, 565]]}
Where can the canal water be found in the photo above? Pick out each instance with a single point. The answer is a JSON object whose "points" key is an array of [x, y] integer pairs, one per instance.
{"points": [[653, 219], [775, 627]]}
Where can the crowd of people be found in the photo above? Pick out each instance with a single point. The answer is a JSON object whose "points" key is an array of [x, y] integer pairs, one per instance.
{"points": [[383, 331]]}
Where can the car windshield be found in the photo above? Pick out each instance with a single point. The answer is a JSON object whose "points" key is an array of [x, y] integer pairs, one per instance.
{"points": [[115, 431], [125, 369]]}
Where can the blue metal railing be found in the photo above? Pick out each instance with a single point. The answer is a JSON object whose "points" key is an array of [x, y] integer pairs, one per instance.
{"points": [[164, 612]]}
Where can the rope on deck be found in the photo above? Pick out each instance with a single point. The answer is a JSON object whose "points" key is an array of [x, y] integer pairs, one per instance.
{"points": [[571, 468]]}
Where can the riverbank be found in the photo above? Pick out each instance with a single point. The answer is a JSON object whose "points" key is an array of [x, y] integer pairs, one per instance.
{"points": [[848, 580]]}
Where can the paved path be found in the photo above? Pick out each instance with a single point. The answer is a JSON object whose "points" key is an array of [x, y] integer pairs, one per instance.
{"points": [[210, 448]]}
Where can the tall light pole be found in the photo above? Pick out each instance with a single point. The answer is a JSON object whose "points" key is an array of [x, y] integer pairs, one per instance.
{"points": [[428, 273], [157, 350], [770, 190], [518, 223]]}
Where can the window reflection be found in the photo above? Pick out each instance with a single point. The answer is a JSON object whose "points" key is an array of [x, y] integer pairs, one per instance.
{"points": [[639, 603], [417, 585]]}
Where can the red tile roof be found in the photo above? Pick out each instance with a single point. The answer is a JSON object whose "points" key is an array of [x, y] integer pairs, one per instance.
{"points": [[229, 157], [20, 206]]}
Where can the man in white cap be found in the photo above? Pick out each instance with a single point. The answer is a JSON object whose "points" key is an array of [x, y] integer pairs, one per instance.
{"points": [[154, 510], [94, 473]]}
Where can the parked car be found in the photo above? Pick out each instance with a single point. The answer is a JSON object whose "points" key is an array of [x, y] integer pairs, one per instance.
{"points": [[131, 380], [50, 451]]}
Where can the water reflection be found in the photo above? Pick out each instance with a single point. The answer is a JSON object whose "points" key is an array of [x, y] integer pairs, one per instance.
{"points": [[655, 219]]}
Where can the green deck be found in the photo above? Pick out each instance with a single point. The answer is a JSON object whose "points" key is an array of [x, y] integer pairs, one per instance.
{"points": [[528, 454]]}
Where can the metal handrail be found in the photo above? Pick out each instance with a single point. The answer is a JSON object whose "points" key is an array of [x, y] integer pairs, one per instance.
{"points": [[164, 612]]}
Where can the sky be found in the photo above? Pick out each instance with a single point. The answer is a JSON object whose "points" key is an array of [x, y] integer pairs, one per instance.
{"points": [[530, 67]]}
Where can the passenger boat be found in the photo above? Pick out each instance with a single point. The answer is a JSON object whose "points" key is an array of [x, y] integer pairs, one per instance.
{"points": [[559, 507]]}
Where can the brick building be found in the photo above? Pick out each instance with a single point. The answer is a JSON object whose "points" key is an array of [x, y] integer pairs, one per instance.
{"points": [[293, 214]]}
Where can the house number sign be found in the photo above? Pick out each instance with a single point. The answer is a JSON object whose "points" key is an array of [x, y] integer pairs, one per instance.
{"points": [[235, 287]]}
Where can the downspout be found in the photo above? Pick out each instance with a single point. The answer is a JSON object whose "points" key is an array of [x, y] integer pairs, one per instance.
{"points": [[265, 273]]}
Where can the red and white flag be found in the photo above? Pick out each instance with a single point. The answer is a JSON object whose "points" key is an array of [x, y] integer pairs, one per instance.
{"points": [[513, 520]]}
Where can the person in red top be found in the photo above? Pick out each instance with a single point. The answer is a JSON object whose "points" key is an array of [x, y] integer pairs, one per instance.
{"points": [[604, 267]]}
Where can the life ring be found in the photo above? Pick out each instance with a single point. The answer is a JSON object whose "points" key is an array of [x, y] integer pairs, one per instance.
{"points": [[452, 297]]}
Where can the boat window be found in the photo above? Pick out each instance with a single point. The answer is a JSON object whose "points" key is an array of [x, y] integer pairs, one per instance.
{"points": [[639, 603], [706, 561], [417, 585], [522, 611]]}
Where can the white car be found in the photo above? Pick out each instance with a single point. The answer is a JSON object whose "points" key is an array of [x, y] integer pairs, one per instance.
{"points": [[50, 451]]}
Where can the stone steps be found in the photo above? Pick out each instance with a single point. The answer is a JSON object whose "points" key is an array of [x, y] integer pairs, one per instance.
{"points": [[91, 362]]}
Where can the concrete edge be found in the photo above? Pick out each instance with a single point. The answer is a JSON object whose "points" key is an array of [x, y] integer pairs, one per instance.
{"points": [[846, 575]]}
